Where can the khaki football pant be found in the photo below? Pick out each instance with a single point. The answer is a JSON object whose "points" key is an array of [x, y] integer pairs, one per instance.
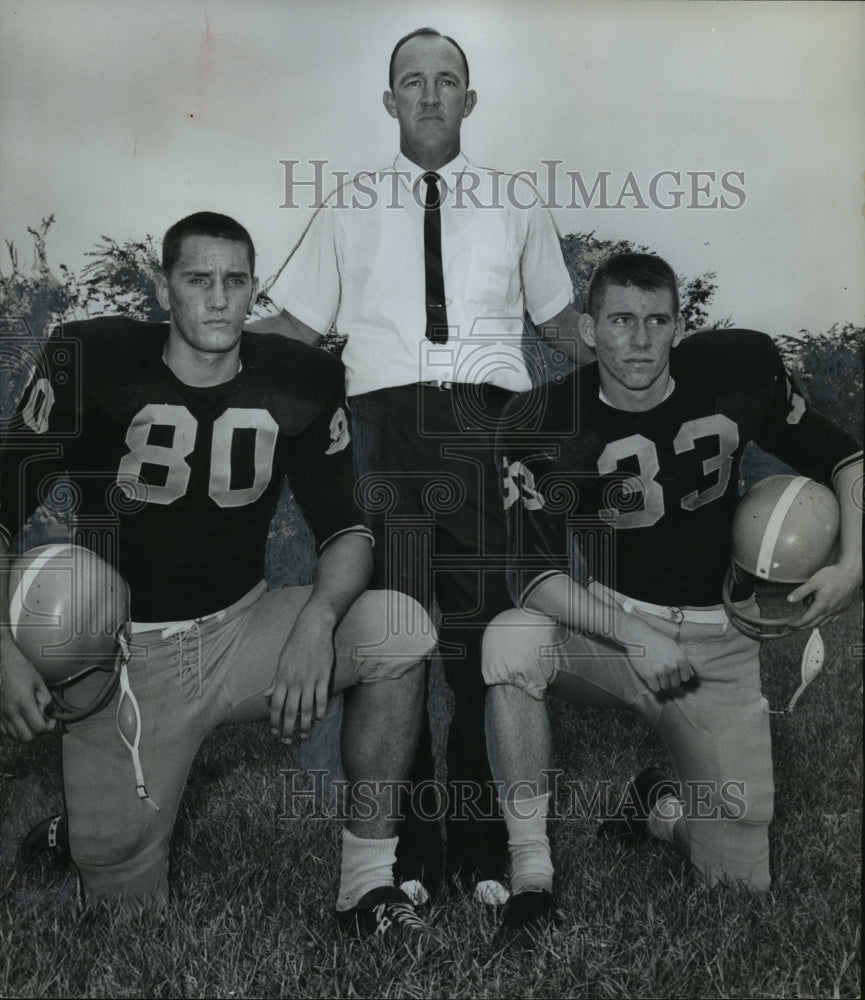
{"points": [[716, 728], [206, 675]]}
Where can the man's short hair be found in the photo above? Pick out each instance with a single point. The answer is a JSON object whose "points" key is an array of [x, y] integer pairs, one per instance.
{"points": [[417, 33], [643, 270], [221, 227]]}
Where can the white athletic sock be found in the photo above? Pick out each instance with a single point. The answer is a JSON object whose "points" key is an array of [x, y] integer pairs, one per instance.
{"points": [[663, 816], [367, 863], [528, 846]]}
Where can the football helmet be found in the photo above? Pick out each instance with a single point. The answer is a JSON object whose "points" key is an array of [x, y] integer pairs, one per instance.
{"points": [[68, 610], [785, 528]]}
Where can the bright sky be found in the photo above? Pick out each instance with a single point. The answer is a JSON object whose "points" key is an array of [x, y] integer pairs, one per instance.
{"points": [[122, 117]]}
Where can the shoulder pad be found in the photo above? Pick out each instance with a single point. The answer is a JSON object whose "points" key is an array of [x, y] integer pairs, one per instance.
{"points": [[110, 347], [306, 371], [720, 357]]}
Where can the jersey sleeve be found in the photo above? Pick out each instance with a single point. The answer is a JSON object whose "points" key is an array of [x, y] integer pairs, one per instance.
{"points": [[34, 439], [540, 504], [308, 285], [800, 435], [321, 476]]}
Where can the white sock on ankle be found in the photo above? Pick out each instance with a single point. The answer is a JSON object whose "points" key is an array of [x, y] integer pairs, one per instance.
{"points": [[528, 846], [367, 863], [663, 816]]}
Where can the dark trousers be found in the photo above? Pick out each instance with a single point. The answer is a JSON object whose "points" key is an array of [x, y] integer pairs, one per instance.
{"points": [[426, 478]]}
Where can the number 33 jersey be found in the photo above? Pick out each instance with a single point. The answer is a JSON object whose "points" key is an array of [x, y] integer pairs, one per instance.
{"points": [[179, 483], [643, 501]]}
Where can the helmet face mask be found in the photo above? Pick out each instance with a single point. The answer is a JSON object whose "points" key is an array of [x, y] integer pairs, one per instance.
{"points": [[751, 622], [784, 529], [67, 609], [65, 710]]}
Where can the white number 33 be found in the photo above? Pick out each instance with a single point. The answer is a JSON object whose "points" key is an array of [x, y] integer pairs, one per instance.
{"points": [[637, 446]]}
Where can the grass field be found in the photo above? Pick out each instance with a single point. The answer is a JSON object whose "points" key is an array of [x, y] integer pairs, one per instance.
{"points": [[253, 893]]}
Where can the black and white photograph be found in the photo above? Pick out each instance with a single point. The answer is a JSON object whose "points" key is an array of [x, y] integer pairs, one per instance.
{"points": [[431, 498]]}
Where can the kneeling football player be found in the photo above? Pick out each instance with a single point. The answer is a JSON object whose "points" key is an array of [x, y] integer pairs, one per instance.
{"points": [[176, 438], [619, 511]]}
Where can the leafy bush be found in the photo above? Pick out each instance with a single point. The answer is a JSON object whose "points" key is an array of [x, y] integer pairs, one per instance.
{"points": [[584, 251], [828, 368]]}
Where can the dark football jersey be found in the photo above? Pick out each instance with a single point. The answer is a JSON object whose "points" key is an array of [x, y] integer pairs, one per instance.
{"points": [[177, 484], [643, 501]]}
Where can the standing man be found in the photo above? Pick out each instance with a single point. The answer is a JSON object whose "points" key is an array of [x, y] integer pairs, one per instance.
{"points": [[428, 269], [177, 438], [619, 513]]}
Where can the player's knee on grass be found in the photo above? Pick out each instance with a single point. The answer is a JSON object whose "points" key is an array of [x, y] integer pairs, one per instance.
{"points": [[727, 822], [514, 651], [392, 635], [138, 880], [118, 843], [736, 854], [734, 849]]}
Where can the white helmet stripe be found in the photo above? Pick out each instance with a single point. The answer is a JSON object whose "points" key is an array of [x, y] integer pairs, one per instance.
{"points": [[774, 525], [28, 578]]}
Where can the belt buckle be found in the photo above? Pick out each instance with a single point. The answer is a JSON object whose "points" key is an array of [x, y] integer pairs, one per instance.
{"points": [[676, 615]]}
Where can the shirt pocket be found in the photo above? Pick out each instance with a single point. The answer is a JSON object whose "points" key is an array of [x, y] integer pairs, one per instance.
{"points": [[492, 281]]}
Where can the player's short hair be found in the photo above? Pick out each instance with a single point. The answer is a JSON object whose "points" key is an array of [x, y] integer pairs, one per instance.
{"points": [[417, 33], [221, 227], [644, 270]]}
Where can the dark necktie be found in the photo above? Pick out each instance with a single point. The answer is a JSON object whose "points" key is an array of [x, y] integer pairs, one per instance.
{"points": [[436, 313]]}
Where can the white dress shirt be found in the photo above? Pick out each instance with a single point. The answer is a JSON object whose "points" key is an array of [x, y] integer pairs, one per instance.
{"points": [[360, 268]]}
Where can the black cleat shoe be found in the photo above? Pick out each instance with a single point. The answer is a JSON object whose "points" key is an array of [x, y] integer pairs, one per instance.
{"points": [[387, 914], [48, 841], [526, 917], [628, 828]]}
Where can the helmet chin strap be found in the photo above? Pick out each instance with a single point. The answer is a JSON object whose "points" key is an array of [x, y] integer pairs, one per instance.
{"points": [[129, 721], [812, 664]]}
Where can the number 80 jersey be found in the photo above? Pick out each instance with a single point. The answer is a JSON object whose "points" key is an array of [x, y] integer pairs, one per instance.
{"points": [[643, 501], [177, 484]]}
